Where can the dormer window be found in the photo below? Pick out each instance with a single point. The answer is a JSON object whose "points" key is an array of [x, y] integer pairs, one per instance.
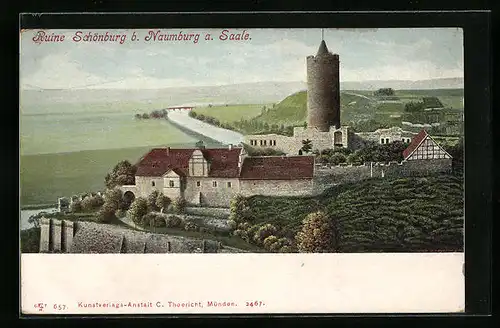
{"points": [[171, 183]]}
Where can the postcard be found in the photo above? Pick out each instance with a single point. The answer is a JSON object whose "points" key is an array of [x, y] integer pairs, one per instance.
{"points": [[193, 171]]}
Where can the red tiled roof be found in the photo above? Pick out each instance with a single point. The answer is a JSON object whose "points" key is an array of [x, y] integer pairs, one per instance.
{"points": [[414, 143], [223, 162], [277, 168]]}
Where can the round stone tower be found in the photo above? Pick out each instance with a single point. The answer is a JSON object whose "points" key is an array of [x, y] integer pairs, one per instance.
{"points": [[323, 90]]}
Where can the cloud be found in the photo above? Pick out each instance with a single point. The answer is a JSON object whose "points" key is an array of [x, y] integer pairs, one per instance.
{"points": [[59, 72], [363, 56], [404, 70]]}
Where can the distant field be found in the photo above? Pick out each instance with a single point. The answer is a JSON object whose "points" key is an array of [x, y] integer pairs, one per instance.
{"points": [[231, 113], [46, 177], [66, 132]]}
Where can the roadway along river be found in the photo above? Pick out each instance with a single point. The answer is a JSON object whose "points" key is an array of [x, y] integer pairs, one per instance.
{"points": [[221, 135]]}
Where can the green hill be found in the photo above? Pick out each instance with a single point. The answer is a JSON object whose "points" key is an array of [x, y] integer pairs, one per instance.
{"points": [[293, 109], [416, 214]]}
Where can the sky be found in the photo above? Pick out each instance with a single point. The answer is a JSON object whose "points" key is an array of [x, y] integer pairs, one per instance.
{"points": [[268, 55]]}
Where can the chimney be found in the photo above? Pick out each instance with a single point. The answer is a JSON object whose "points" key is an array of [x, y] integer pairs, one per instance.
{"points": [[230, 146], [168, 150]]}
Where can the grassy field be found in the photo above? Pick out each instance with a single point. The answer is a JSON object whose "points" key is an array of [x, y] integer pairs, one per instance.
{"points": [[408, 214], [231, 113], [67, 132]]}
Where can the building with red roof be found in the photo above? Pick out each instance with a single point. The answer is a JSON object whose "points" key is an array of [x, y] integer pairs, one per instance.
{"points": [[424, 147], [211, 177]]}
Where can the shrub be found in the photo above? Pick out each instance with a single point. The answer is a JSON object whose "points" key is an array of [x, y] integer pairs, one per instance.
{"points": [[232, 224], [120, 213], [173, 221], [153, 220], [91, 203], [337, 158], [269, 241], [30, 240], [317, 234], [244, 226], [162, 202], [241, 233], [286, 249], [138, 209], [179, 205], [190, 226], [238, 209], [106, 213], [264, 231], [76, 206], [152, 201]]}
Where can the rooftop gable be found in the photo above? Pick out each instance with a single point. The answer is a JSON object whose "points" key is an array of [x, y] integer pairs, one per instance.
{"points": [[158, 161]]}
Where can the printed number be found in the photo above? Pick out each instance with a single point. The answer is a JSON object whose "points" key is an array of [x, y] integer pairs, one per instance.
{"points": [[59, 307], [255, 303], [40, 306]]}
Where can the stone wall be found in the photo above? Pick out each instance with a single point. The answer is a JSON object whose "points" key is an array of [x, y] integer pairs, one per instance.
{"points": [[286, 144], [276, 187], [55, 235], [208, 195], [90, 237], [393, 134]]}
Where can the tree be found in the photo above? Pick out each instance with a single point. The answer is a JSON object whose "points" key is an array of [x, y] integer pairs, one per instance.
{"points": [[238, 209], [138, 210], [264, 231], [337, 158], [114, 198], [138, 116], [153, 196], [306, 146], [162, 202], [76, 206], [179, 205], [318, 234], [384, 92], [106, 213], [122, 174]]}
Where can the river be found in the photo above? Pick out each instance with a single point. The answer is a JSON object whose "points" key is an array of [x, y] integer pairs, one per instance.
{"points": [[219, 134], [26, 214]]}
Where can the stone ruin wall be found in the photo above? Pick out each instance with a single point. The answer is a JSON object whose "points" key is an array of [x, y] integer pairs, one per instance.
{"points": [[62, 236]]}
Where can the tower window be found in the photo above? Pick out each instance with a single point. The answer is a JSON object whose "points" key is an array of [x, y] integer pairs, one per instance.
{"points": [[386, 140], [171, 183], [382, 141]]}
